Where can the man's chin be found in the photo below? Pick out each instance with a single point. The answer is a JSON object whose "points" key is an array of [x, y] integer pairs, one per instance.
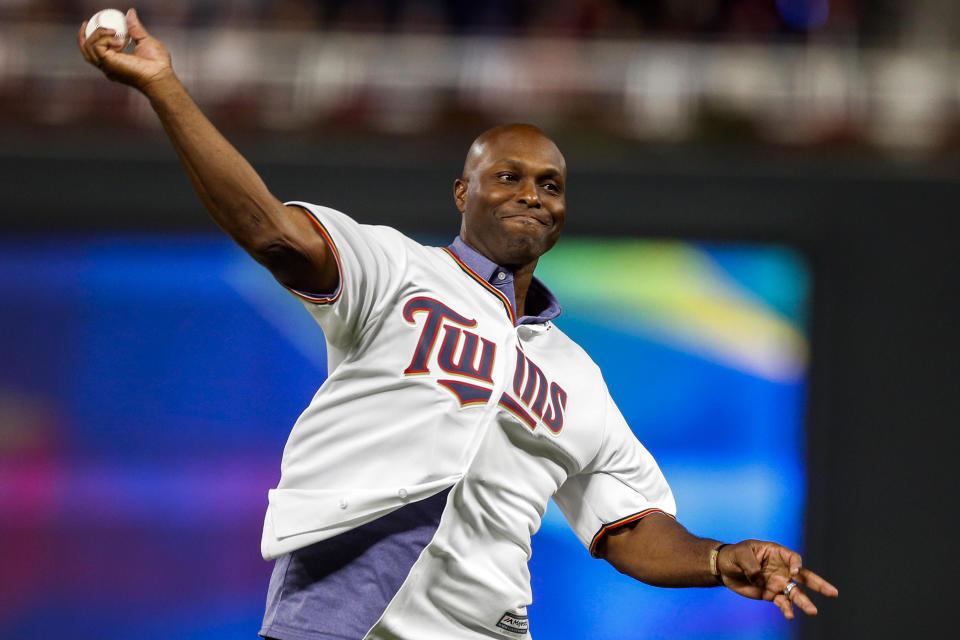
{"points": [[522, 249]]}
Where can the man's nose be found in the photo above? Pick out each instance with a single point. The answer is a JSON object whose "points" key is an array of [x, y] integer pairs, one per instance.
{"points": [[528, 194]]}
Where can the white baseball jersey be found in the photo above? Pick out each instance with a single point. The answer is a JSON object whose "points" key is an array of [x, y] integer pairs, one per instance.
{"points": [[432, 384]]}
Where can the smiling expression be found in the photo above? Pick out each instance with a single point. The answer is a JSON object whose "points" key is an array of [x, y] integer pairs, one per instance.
{"points": [[512, 195]]}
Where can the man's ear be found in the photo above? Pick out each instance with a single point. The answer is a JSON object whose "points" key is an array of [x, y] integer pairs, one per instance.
{"points": [[460, 193]]}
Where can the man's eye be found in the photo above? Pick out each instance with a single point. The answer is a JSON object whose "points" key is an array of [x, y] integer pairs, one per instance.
{"points": [[549, 186], [507, 176]]}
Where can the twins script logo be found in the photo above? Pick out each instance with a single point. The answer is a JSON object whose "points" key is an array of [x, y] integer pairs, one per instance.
{"points": [[534, 398]]}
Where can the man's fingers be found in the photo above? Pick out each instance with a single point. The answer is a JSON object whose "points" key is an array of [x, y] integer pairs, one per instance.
{"points": [[103, 47], [103, 39], [815, 582], [82, 41], [100, 41], [802, 601], [795, 563], [134, 28], [100, 47], [786, 607], [99, 38]]}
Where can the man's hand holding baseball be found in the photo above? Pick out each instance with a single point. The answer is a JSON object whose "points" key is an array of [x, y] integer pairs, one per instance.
{"points": [[148, 63]]}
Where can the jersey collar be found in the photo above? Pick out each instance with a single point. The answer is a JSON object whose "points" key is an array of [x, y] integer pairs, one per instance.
{"points": [[540, 300]]}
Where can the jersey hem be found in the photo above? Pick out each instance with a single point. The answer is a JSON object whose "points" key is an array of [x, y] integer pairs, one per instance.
{"points": [[322, 230], [619, 523], [283, 632]]}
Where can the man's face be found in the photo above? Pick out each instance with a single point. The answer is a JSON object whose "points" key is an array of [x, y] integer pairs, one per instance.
{"points": [[512, 195]]}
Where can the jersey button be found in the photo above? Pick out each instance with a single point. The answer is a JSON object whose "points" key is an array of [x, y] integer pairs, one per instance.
{"points": [[501, 276], [343, 503], [402, 493]]}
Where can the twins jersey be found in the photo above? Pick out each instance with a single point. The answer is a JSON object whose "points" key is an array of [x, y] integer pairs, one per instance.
{"points": [[434, 385]]}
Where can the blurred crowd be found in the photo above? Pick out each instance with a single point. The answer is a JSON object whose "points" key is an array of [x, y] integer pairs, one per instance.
{"points": [[798, 72], [863, 20]]}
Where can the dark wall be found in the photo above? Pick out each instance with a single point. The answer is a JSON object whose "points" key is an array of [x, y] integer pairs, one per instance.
{"points": [[882, 242]]}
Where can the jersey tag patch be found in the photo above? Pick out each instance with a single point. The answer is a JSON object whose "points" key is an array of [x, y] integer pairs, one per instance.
{"points": [[514, 623]]}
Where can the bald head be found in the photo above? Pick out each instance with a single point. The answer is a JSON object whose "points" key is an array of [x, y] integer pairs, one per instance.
{"points": [[501, 139], [512, 195]]}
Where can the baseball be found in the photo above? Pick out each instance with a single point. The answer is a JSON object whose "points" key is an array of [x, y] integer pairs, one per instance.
{"points": [[110, 19]]}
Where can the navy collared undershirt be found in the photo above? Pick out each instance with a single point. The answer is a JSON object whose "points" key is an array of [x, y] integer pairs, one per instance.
{"points": [[338, 588], [539, 299]]}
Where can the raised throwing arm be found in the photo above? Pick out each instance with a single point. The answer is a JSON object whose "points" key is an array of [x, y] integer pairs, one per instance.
{"points": [[281, 238], [659, 551]]}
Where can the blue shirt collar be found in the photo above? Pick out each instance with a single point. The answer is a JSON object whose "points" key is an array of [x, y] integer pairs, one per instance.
{"points": [[540, 300]]}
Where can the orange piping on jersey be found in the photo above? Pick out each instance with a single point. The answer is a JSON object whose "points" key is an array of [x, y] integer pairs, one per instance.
{"points": [[473, 274], [336, 256], [619, 523]]}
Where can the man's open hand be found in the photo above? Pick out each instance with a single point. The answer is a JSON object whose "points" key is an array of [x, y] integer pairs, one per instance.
{"points": [[763, 570]]}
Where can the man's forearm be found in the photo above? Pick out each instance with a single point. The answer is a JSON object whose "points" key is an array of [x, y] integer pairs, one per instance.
{"points": [[232, 191], [659, 551]]}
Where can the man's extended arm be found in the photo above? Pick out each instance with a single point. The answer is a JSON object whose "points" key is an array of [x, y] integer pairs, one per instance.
{"points": [[281, 238], [659, 551]]}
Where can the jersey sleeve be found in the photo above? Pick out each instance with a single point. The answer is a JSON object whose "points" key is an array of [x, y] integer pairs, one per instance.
{"points": [[369, 263], [622, 483]]}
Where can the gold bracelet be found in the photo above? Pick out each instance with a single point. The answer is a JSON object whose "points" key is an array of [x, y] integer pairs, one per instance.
{"points": [[714, 569]]}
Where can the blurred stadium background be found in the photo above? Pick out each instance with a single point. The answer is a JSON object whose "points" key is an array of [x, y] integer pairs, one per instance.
{"points": [[764, 189]]}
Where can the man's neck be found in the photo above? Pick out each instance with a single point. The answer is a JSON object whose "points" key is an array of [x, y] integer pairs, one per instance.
{"points": [[522, 275], [522, 278]]}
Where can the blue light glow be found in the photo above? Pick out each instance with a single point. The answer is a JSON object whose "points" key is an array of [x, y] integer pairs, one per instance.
{"points": [[149, 385]]}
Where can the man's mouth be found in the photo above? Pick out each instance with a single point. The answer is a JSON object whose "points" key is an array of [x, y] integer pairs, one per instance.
{"points": [[543, 221]]}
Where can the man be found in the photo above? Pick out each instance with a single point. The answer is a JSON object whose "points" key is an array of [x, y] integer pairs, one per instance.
{"points": [[454, 408]]}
